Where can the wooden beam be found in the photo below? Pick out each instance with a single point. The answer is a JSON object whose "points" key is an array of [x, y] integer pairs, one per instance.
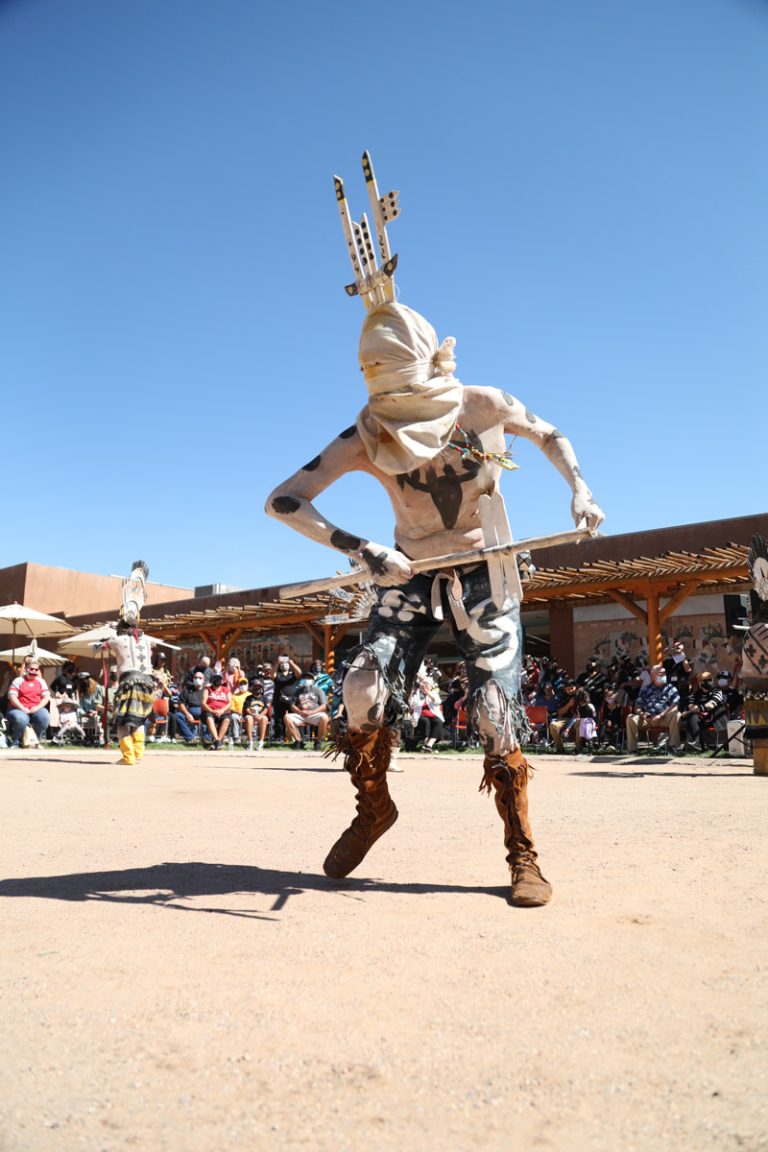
{"points": [[340, 632], [207, 639], [628, 603], [315, 633], [228, 641], [679, 597]]}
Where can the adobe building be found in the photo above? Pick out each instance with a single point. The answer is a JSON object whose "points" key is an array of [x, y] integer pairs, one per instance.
{"points": [[69, 593]]}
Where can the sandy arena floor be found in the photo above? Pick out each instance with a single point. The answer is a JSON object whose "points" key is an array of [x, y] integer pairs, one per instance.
{"points": [[177, 974]]}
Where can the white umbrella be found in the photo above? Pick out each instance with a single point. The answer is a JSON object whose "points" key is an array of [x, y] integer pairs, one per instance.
{"points": [[43, 655], [22, 621], [80, 643]]}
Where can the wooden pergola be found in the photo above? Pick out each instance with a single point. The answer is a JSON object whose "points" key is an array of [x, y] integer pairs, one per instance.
{"points": [[220, 627], [662, 582], [672, 577]]}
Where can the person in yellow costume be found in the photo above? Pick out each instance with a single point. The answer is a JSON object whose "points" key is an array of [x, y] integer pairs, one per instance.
{"points": [[133, 657]]}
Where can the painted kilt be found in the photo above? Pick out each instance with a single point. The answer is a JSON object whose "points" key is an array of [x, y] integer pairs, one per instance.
{"points": [[406, 618], [134, 698]]}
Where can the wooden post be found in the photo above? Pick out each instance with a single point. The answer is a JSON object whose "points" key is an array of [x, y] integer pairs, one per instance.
{"points": [[330, 663], [654, 629]]}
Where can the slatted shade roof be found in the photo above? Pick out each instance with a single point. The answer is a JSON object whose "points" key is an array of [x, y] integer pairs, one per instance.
{"points": [[721, 567]]}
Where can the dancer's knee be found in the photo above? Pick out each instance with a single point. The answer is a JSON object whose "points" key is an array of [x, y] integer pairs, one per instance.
{"points": [[365, 694], [495, 720]]}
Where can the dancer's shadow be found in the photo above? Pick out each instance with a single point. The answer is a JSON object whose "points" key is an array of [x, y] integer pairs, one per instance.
{"points": [[165, 884]]}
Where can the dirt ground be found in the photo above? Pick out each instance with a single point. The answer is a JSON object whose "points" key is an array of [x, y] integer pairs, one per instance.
{"points": [[178, 974]]}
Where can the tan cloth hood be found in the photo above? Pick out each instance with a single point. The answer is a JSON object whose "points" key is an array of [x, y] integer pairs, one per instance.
{"points": [[414, 398]]}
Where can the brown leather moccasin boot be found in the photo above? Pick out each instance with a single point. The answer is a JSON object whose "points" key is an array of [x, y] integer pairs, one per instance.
{"points": [[366, 759], [509, 777]]}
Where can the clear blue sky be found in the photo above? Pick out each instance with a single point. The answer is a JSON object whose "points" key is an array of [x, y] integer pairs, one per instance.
{"points": [[584, 188]]}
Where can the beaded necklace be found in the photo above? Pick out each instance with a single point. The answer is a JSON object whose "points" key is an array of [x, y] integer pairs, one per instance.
{"points": [[468, 451]]}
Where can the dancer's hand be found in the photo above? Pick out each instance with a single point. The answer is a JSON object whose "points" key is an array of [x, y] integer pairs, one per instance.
{"points": [[586, 512], [387, 567]]}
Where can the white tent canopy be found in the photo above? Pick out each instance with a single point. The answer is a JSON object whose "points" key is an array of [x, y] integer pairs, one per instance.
{"points": [[45, 657], [80, 643]]}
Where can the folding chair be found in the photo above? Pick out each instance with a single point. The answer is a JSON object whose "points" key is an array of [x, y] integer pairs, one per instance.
{"points": [[538, 718]]}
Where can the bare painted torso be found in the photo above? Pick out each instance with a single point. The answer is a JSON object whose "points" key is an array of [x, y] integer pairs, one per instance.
{"points": [[435, 506]]}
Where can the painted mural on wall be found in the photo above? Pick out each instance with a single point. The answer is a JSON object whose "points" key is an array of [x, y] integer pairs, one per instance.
{"points": [[250, 651], [705, 639]]}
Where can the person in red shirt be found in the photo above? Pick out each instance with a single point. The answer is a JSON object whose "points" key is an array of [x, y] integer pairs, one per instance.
{"points": [[28, 700], [216, 710]]}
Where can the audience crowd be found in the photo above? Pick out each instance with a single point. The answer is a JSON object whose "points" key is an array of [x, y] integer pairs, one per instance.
{"points": [[609, 707]]}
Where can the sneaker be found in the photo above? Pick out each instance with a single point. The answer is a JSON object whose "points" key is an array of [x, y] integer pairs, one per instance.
{"points": [[298, 745], [260, 746]]}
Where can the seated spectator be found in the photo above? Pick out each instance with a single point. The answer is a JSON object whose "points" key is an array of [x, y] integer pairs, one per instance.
{"points": [[28, 701], [216, 710], [256, 714], [189, 707], [233, 673], [594, 680], [163, 695], [706, 712], [456, 697], [611, 725], [66, 681], [287, 676], [426, 715], [656, 707], [734, 698], [308, 706], [90, 699], [67, 719], [566, 715], [320, 677], [162, 672], [585, 731], [203, 666], [266, 673], [239, 696], [679, 671]]}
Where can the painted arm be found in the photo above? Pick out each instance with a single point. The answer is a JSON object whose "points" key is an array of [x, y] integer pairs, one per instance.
{"points": [[520, 421], [291, 502]]}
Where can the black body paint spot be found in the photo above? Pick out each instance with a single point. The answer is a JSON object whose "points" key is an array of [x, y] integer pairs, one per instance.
{"points": [[312, 464], [576, 470], [345, 435], [445, 490], [558, 435], [530, 416], [376, 561], [509, 399], [345, 542], [285, 505]]}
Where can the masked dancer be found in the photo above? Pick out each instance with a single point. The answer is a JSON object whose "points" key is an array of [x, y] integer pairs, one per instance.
{"points": [[438, 448]]}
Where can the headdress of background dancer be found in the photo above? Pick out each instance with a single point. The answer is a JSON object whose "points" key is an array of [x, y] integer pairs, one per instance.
{"points": [[134, 594]]}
